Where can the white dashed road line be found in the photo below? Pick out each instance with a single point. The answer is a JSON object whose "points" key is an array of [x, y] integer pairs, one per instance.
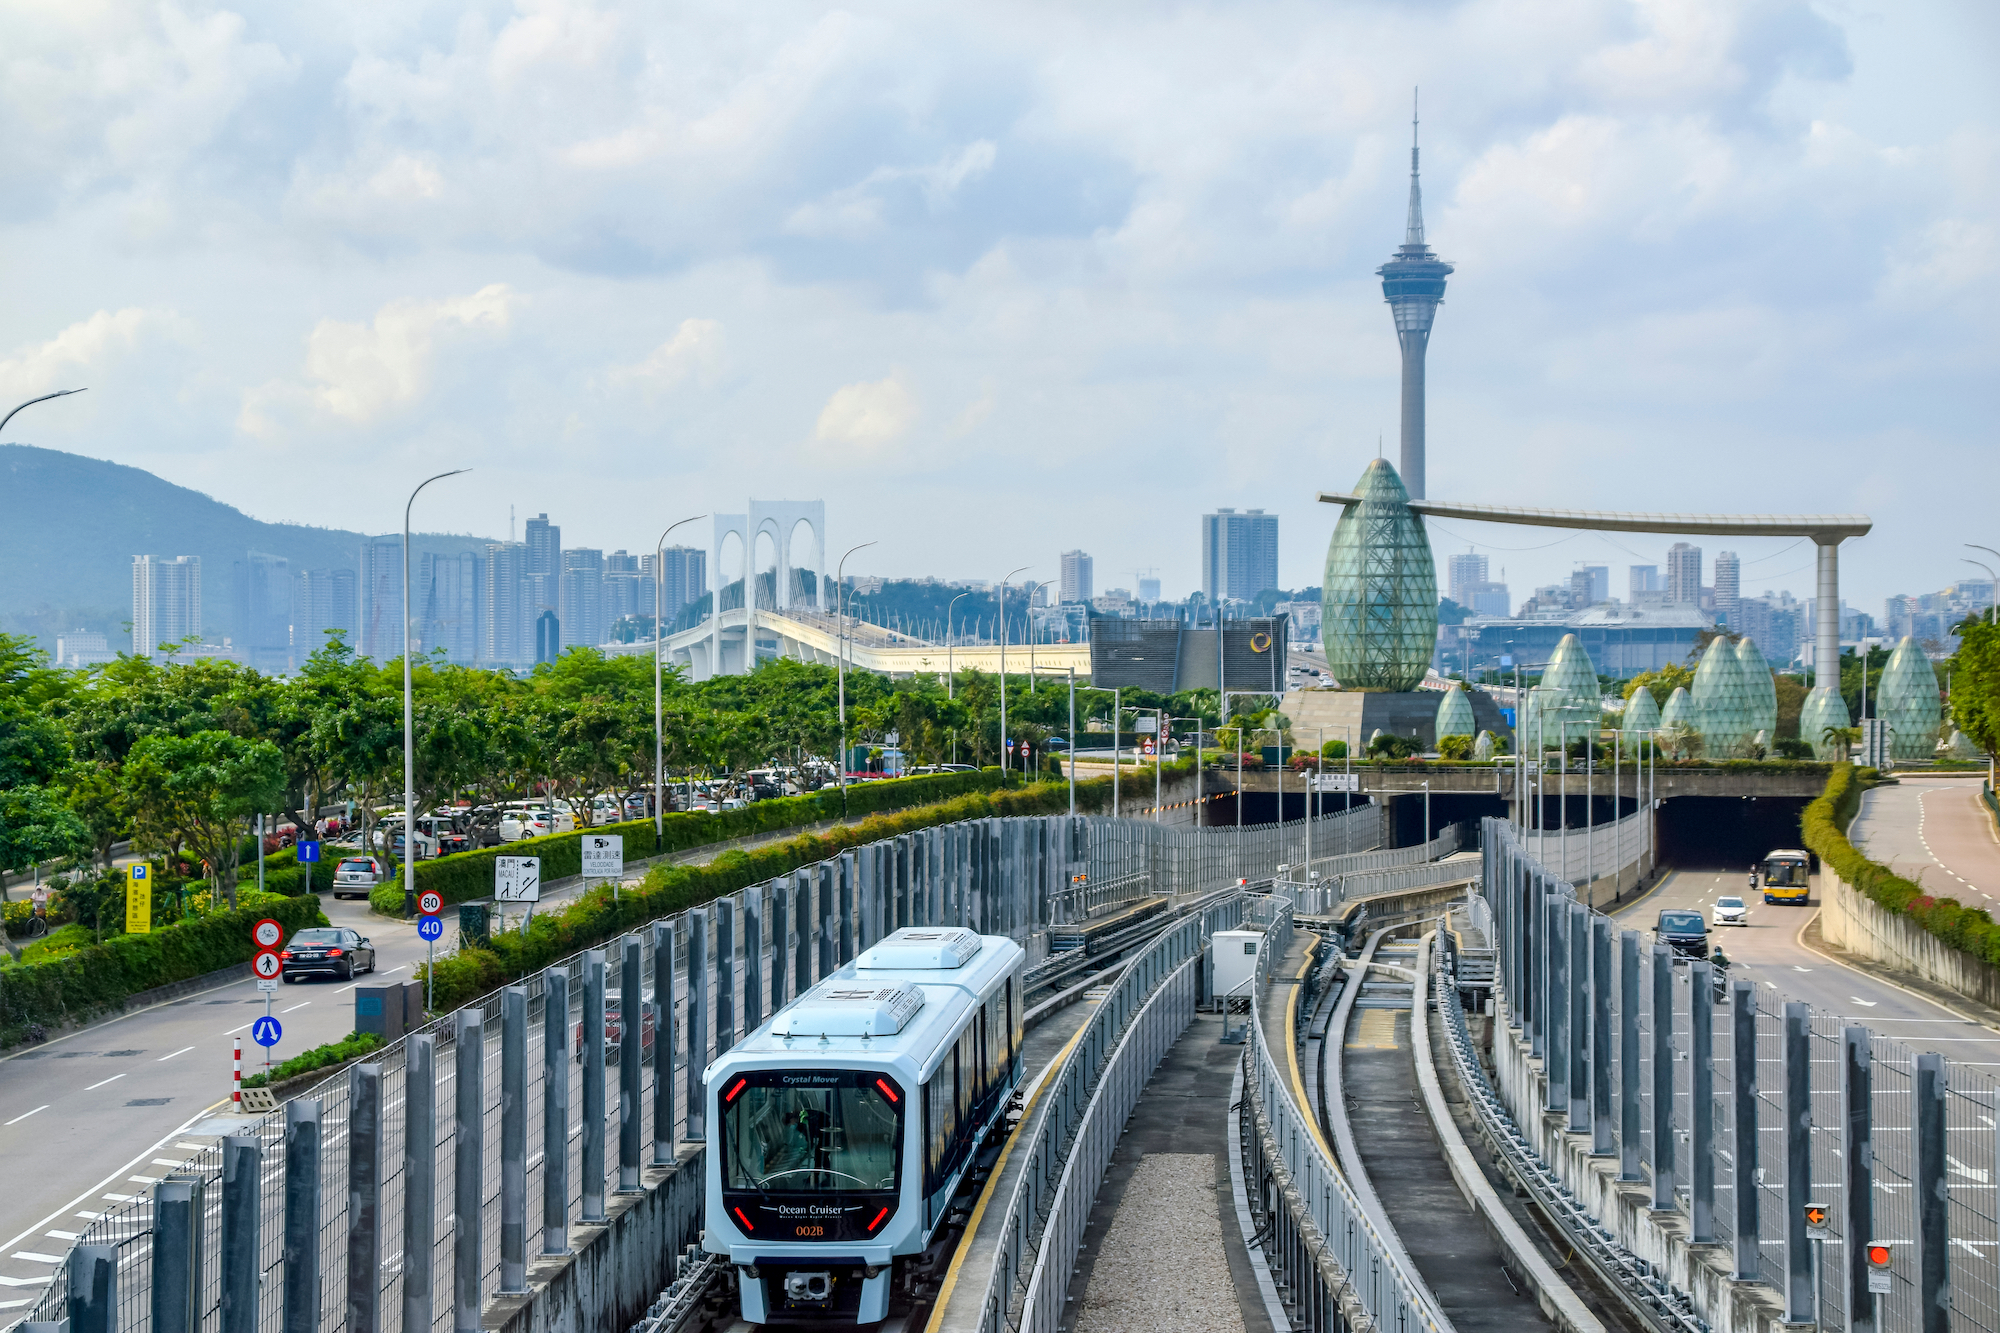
{"points": [[170, 1055], [25, 1114]]}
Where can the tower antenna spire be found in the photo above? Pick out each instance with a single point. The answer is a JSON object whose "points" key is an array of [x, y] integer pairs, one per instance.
{"points": [[1413, 233]]}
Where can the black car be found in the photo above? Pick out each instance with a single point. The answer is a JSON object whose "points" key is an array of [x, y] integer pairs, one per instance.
{"points": [[1683, 930], [327, 953]]}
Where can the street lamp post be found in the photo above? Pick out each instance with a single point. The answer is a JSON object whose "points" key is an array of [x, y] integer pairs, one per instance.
{"points": [[1005, 763], [950, 662], [409, 711], [659, 647], [1198, 799], [59, 393], [840, 662]]}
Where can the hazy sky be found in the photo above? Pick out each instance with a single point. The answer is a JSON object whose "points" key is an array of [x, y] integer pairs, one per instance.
{"points": [[999, 280]]}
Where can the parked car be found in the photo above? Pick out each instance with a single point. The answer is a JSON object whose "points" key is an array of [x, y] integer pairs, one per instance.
{"points": [[614, 1028], [327, 953], [1730, 912], [355, 876], [523, 820], [1683, 931]]}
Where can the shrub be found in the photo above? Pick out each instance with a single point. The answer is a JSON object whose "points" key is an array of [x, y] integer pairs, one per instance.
{"points": [[1824, 826], [1455, 747], [596, 917], [351, 1047], [98, 979]]}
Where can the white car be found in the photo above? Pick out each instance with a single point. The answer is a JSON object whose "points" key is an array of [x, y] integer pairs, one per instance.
{"points": [[1730, 912], [534, 821]]}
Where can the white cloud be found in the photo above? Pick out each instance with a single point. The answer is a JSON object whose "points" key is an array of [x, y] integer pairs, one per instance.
{"points": [[868, 416], [694, 350], [360, 373], [84, 349]]}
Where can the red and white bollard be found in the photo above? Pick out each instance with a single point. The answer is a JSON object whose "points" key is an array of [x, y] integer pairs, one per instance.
{"points": [[236, 1093]]}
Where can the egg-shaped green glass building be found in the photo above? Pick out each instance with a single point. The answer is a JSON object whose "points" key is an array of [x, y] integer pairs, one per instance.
{"points": [[1642, 715], [1455, 714], [1824, 709], [1721, 708], [1909, 703], [1760, 689], [1679, 711], [1379, 604]]}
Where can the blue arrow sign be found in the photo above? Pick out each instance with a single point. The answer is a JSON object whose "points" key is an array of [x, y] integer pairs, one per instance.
{"points": [[430, 927], [266, 1031], [308, 852]]}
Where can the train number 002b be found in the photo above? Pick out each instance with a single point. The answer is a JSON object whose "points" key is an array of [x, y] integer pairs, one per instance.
{"points": [[808, 1232]]}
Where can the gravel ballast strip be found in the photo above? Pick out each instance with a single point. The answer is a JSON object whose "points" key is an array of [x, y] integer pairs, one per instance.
{"points": [[1162, 1267]]}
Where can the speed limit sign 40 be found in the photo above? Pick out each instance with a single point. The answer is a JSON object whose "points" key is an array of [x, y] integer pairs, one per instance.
{"points": [[430, 902], [266, 965], [267, 933]]}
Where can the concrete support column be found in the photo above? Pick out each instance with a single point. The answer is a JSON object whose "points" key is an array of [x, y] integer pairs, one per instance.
{"points": [[555, 1111], [514, 1139], [753, 958], [1578, 929], [419, 1177], [1857, 1168], [1556, 951], [631, 1050], [593, 1086], [1601, 1141], [1801, 1300], [364, 1199], [1663, 1077], [697, 1023], [179, 1223], [1743, 1137], [302, 1185], [468, 1144], [665, 1043], [242, 1219], [802, 931], [1933, 1203], [725, 975], [93, 1284], [1701, 1101]]}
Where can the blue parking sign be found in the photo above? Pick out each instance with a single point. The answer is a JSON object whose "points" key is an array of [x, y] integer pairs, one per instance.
{"points": [[430, 927], [308, 852], [266, 1031]]}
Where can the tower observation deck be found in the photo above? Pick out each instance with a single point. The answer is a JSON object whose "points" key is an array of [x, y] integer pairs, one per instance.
{"points": [[1413, 285]]}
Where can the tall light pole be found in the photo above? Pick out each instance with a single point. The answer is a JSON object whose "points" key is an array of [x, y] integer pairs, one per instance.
{"points": [[659, 646], [1003, 668], [1995, 603], [409, 711], [1028, 589], [1199, 800], [840, 663], [59, 393], [950, 662]]}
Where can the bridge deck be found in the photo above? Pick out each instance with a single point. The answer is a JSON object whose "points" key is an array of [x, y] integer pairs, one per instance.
{"points": [[1164, 1251]]}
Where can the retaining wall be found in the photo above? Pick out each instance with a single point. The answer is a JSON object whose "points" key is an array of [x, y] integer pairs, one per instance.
{"points": [[1852, 921]]}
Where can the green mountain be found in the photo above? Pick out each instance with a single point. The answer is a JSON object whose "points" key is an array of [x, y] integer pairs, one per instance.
{"points": [[69, 527]]}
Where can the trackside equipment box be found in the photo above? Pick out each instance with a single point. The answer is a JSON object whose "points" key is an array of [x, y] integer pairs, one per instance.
{"points": [[1237, 953]]}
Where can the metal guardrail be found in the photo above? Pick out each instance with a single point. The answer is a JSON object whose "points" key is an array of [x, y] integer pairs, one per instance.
{"points": [[1416, 868], [1092, 1097], [1314, 1211], [1737, 1113], [1449, 839]]}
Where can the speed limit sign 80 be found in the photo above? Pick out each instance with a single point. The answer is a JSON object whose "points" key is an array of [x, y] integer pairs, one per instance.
{"points": [[430, 902], [267, 933]]}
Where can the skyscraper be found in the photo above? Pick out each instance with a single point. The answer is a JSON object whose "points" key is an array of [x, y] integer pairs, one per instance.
{"points": [[683, 578], [261, 589], [1462, 572], [1684, 573], [1599, 590], [582, 597], [1413, 285], [1728, 585], [1239, 554], [323, 600], [166, 601], [381, 586], [506, 624], [448, 602], [1077, 576]]}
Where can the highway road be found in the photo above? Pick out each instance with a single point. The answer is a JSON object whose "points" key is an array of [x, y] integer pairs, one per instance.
{"points": [[97, 1116], [1770, 952], [1934, 831]]}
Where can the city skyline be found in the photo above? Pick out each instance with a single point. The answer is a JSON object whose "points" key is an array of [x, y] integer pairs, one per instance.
{"points": [[1760, 254]]}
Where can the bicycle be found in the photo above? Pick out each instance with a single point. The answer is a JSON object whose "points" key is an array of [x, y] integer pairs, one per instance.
{"points": [[37, 927]]}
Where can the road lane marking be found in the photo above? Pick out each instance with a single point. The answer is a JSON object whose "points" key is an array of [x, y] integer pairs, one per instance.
{"points": [[296, 1006], [182, 1051], [1865, 1003], [167, 1161], [233, 1031], [25, 1114], [197, 1147], [27, 1281], [15, 1305], [34, 1258], [72, 1235], [90, 1217], [145, 1180], [95, 1086]]}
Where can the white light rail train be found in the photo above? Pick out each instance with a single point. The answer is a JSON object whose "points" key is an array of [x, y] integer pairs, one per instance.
{"points": [[842, 1129]]}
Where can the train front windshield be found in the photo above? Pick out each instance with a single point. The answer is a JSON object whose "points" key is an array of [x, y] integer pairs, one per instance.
{"points": [[818, 1132], [1785, 872]]}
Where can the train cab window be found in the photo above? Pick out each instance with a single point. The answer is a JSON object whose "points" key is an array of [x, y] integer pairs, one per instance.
{"points": [[819, 1132]]}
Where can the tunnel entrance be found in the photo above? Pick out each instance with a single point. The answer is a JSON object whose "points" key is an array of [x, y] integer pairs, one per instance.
{"points": [[1727, 832]]}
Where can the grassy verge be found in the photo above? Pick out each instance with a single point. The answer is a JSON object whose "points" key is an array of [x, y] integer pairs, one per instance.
{"points": [[597, 917], [351, 1047], [1968, 929]]}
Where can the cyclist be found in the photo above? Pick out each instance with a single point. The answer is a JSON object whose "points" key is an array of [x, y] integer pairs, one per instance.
{"points": [[38, 924]]}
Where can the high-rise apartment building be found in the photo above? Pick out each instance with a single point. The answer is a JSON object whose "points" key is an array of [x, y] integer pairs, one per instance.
{"points": [[1149, 590], [1239, 554], [1488, 599], [1599, 587], [1728, 585], [582, 603], [1077, 576], [381, 588], [448, 596], [166, 601], [1684, 573], [261, 587], [683, 578], [1462, 572], [543, 541], [323, 602], [506, 623], [1643, 578]]}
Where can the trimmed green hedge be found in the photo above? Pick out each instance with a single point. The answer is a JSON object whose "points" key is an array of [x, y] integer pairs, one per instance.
{"points": [[97, 980], [1824, 824], [469, 875], [596, 917], [351, 1047]]}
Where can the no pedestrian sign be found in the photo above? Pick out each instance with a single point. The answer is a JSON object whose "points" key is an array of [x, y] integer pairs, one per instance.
{"points": [[267, 964]]}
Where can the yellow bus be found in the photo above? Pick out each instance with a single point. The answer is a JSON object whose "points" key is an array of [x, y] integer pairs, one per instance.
{"points": [[1786, 877]]}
